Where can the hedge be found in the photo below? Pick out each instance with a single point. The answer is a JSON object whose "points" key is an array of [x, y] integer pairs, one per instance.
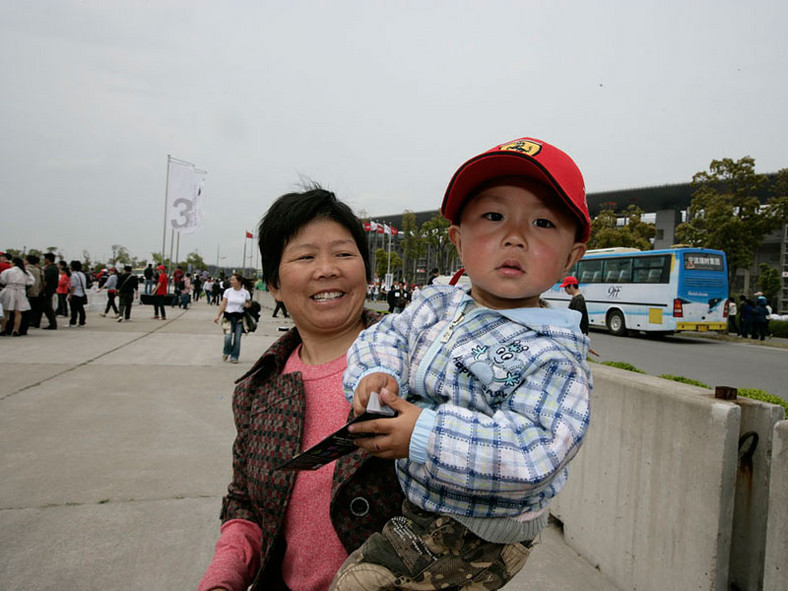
{"points": [[778, 328]]}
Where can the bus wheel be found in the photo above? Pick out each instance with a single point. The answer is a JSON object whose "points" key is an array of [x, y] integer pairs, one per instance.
{"points": [[615, 323]]}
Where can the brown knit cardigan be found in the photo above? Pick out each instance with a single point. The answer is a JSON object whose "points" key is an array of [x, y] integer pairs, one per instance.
{"points": [[269, 418]]}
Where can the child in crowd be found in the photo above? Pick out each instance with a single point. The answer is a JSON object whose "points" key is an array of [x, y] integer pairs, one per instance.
{"points": [[491, 389]]}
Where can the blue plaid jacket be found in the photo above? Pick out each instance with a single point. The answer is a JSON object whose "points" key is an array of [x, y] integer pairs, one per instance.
{"points": [[505, 395]]}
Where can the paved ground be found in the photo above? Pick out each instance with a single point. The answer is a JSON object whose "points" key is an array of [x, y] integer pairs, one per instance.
{"points": [[115, 444]]}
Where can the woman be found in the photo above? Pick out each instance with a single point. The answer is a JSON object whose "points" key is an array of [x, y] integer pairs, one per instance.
{"points": [[235, 300], [78, 296], [112, 290], [13, 296], [63, 289], [293, 530]]}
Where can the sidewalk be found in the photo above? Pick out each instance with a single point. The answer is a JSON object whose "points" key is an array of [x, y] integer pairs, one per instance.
{"points": [[115, 441]]}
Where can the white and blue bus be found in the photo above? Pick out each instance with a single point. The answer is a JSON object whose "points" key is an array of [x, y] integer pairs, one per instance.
{"points": [[654, 291]]}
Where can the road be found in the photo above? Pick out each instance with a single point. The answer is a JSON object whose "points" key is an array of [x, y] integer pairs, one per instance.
{"points": [[716, 363]]}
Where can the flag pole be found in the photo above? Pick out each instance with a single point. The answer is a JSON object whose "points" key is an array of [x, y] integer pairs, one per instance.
{"points": [[243, 272], [172, 243], [389, 257], [177, 249], [166, 201]]}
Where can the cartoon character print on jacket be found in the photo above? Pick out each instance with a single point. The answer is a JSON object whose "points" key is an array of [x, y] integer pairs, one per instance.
{"points": [[499, 367]]}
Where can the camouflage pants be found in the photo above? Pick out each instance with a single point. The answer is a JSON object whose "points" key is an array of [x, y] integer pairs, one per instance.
{"points": [[424, 551]]}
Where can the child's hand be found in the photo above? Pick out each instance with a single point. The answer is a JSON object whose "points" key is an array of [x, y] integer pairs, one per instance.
{"points": [[374, 382], [392, 439]]}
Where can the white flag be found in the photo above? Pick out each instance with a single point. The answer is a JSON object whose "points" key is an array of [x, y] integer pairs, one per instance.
{"points": [[184, 196]]}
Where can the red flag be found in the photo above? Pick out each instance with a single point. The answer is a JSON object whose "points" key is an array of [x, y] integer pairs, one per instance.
{"points": [[249, 235]]}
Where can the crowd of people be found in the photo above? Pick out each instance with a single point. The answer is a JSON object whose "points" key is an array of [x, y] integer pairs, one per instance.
{"points": [[750, 317], [36, 290]]}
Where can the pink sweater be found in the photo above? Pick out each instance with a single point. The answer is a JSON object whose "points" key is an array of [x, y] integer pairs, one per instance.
{"points": [[314, 552]]}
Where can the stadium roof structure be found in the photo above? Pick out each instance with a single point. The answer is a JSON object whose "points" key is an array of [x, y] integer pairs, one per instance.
{"points": [[649, 199]]}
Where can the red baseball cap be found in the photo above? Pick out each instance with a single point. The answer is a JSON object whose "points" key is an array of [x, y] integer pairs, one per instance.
{"points": [[569, 280], [528, 157]]}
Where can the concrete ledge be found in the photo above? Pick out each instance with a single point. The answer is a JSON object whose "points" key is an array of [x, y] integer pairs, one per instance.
{"points": [[650, 496], [775, 576]]}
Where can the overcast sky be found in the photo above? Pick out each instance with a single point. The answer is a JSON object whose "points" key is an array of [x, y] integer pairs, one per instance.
{"points": [[378, 101]]}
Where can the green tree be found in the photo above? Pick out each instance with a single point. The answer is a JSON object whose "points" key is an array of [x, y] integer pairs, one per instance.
{"points": [[55, 250], [158, 260], [120, 256], [726, 214], [382, 262], [769, 281], [635, 233], [196, 261], [87, 263], [436, 234], [413, 245]]}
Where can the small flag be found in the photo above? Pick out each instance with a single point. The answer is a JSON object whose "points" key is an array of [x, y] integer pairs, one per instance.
{"points": [[249, 235]]}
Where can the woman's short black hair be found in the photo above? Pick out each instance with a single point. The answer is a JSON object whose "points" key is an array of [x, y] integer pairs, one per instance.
{"points": [[291, 212], [76, 265]]}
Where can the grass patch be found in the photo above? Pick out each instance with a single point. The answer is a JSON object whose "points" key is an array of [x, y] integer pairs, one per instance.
{"points": [[622, 365], [757, 394], [683, 380]]}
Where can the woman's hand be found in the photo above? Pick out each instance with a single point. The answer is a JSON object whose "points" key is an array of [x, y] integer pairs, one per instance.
{"points": [[392, 435]]}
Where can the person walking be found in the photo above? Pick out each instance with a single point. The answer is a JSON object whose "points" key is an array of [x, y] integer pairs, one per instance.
{"points": [[578, 301], [111, 285], [280, 306], [159, 294], [50, 285], [149, 283], [63, 289], [760, 322], [732, 311], [747, 315], [128, 286], [186, 291], [207, 287], [35, 294], [13, 296], [235, 300], [78, 296]]}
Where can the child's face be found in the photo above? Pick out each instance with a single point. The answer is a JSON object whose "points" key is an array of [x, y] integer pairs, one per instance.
{"points": [[515, 240]]}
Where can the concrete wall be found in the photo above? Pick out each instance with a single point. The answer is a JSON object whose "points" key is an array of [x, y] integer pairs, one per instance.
{"points": [[650, 496], [748, 541], [775, 576]]}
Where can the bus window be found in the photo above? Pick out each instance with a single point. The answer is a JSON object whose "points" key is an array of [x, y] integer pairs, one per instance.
{"points": [[590, 271], [651, 269], [615, 269]]}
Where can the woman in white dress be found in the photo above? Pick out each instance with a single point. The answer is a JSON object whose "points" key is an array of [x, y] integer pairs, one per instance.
{"points": [[13, 296]]}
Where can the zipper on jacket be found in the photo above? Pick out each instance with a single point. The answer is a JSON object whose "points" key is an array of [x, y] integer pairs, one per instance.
{"points": [[450, 329]]}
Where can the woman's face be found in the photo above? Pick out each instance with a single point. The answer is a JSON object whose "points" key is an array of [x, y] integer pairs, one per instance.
{"points": [[322, 279], [234, 283]]}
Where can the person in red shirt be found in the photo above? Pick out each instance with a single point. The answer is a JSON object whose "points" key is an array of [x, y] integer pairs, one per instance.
{"points": [[158, 294], [4, 264]]}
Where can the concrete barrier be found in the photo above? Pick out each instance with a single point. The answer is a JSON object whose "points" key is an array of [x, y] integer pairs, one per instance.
{"points": [[650, 496], [748, 540], [775, 577]]}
